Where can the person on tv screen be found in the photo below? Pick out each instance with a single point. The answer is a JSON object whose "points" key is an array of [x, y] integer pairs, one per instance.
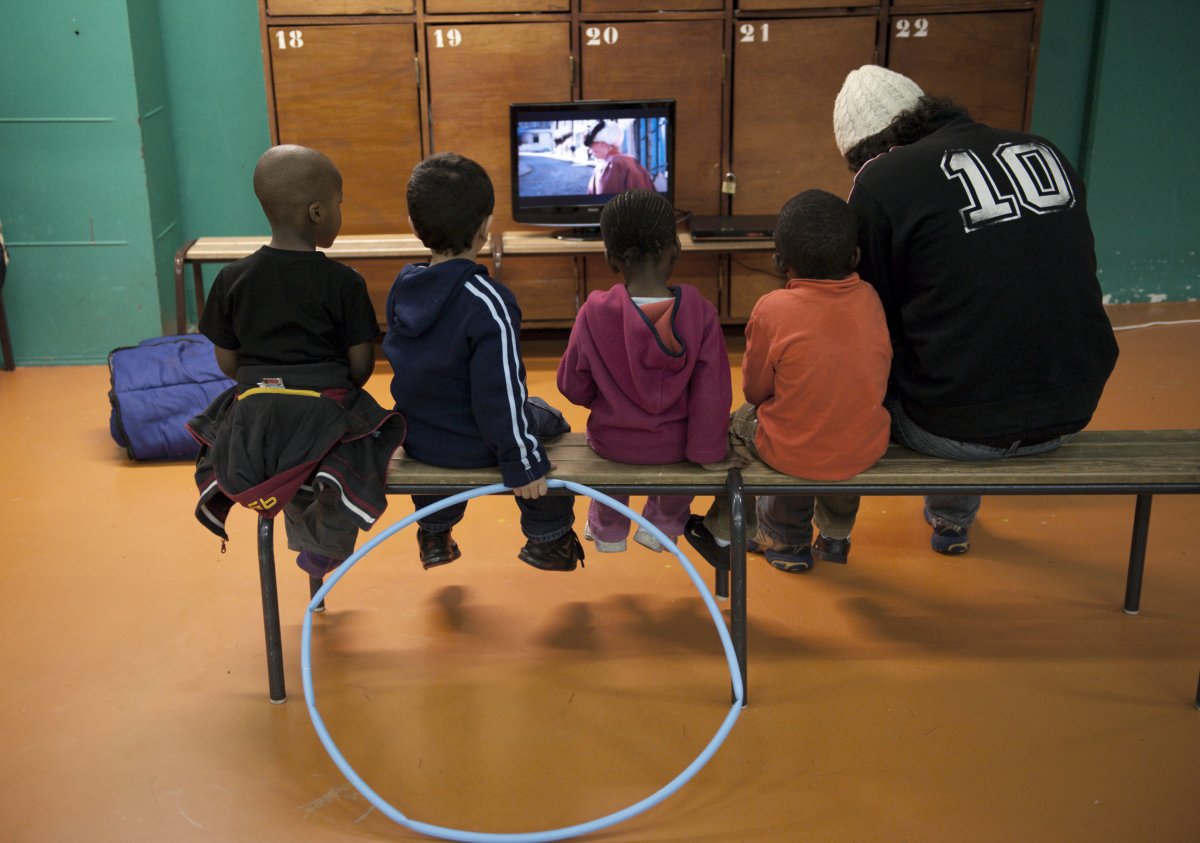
{"points": [[615, 172]]}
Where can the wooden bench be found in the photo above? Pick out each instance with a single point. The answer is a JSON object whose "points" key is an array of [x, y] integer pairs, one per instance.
{"points": [[1141, 463], [347, 247]]}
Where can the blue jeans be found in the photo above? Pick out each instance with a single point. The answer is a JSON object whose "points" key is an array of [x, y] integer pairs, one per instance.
{"points": [[955, 511]]}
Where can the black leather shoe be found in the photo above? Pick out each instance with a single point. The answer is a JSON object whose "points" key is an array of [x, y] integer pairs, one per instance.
{"points": [[699, 537], [562, 554], [831, 550], [436, 548]]}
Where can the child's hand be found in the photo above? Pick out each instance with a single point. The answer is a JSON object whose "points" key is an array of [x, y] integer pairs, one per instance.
{"points": [[533, 490]]}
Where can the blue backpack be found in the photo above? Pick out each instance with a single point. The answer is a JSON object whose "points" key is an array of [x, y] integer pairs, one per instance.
{"points": [[158, 385]]}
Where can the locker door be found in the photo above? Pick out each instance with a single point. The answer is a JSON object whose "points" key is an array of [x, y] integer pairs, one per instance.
{"points": [[475, 71], [449, 7], [980, 59], [680, 60], [351, 92], [340, 7], [786, 74]]}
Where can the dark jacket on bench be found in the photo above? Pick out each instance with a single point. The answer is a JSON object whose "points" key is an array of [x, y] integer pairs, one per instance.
{"points": [[260, 445]]}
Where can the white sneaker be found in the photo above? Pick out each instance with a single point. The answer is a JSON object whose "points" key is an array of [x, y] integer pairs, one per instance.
{"points": [[647, 539], [604, 547]]}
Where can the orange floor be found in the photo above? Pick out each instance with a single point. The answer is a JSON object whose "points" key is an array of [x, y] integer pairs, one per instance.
{"points": [[905, 697]]}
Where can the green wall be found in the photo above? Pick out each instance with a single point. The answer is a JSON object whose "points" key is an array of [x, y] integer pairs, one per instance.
{"points": [[73, 200], [1143, 150], [128, 126]]}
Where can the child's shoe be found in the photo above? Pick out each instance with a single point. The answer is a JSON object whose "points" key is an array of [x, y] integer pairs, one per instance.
{"points": [[561, 554], [831, 550], [603, 547], [647, 539], [436, 548], [705, 543], [951, 541], [790, 561]]}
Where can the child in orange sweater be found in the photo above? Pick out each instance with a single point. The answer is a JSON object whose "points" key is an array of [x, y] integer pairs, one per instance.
{"points": [[814, 375]]}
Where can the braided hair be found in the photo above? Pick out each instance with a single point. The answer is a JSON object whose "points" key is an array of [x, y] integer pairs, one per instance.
{"points": [[636, 225]]}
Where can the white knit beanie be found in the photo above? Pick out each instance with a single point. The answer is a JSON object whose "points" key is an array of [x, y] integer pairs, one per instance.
{"points": [[870, 99]]}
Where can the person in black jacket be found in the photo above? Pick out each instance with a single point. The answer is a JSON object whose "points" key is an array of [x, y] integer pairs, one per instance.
{"points": [[979, 244], [453, 342]]}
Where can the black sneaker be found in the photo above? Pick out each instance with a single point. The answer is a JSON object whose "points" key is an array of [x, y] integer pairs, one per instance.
{"points": [[561, 554], [436, 548], [831, 550], [703, 541], [950, 541]]}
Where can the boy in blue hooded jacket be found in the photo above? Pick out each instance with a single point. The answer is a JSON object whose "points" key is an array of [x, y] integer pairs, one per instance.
{"points": [[453, 344]]}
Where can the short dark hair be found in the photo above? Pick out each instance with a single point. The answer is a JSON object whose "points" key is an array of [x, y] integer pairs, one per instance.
{"points": [[449, 197], [816, 236], [924, 118], [637, 224]]}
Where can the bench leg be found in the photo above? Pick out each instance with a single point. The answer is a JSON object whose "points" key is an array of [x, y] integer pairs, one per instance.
{"points": [[270, 603], [1137, 553], [180, 307], [737, 564], [198, 286], [314, 585]]}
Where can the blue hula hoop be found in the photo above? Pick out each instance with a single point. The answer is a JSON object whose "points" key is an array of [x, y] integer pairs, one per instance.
{"points": [[534, 836]]}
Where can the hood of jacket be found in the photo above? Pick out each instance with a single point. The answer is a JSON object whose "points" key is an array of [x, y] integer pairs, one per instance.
{"points": [[422, 291], [631, 349]]}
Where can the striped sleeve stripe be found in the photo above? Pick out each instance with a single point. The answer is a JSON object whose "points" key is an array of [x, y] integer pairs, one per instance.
{"points": [[511, 365]]}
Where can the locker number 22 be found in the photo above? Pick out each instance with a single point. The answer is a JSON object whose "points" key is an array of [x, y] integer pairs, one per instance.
{"points": [[918, 28]]}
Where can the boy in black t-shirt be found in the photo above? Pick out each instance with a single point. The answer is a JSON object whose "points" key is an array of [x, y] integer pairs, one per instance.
{"points": [[296, 330]]}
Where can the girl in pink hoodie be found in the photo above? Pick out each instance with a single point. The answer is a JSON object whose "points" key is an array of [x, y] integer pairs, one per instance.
{"points": [[649, 361]]}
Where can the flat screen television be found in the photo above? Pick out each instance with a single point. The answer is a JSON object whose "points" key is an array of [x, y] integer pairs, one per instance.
{"points": [[570, 158]]}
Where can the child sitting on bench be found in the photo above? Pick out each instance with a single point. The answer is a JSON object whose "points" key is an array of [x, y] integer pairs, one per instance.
{"points": [[649, 361], [814, 375], [453, 342], [296, 330]]}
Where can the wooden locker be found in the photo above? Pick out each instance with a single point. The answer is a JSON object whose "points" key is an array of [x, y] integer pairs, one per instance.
{"points": [[475, 72], [786, 74], [911, 5], [680, 60], [653, 6], [351, 92], [449, 7], [781, 5], [982, 60], [340, 7]]}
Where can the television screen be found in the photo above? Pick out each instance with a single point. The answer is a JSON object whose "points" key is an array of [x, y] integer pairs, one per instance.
{"points": [[569, 158]]}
